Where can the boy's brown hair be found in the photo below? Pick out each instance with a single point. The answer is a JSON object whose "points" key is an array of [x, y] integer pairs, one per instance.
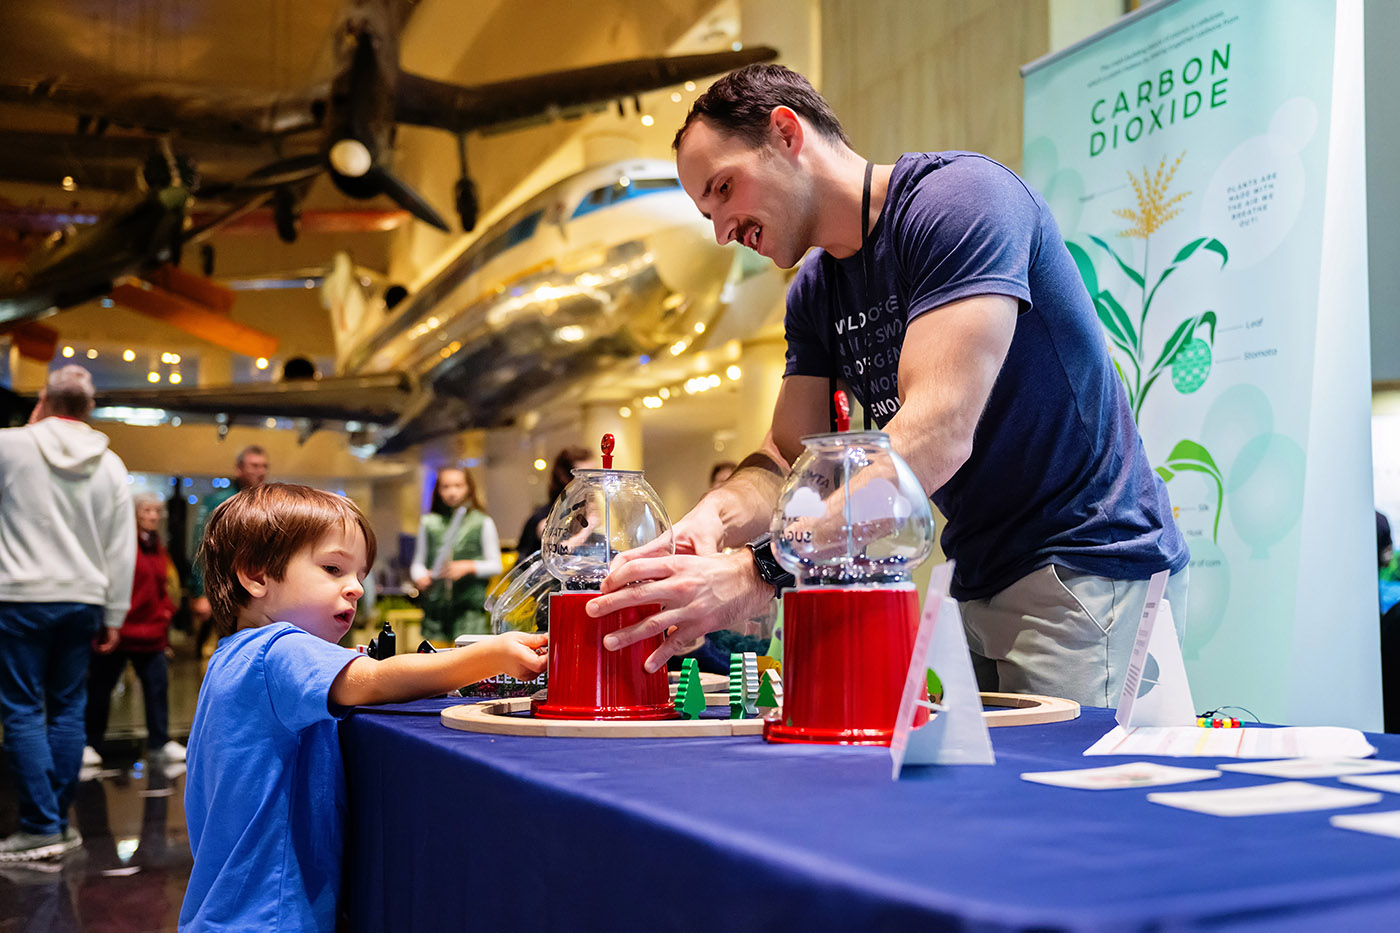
{"points": [[261, 530]]}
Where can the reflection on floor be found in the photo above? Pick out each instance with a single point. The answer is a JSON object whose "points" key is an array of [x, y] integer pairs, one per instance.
{"points": [[131, 872]]}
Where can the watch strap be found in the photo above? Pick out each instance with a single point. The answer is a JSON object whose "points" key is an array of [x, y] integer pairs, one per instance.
{"points": [[769, 570]]}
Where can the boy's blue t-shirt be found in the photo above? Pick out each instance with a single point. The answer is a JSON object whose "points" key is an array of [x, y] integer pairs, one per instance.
{"points": [[265, 789], [1058, 473]]}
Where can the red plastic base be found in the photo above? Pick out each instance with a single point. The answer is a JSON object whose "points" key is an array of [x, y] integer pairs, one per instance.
{"points": [[846, 651], [587, 681]]}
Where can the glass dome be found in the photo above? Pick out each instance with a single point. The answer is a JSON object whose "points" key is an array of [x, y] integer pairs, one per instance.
{"points": [[600, 514], [851, 512]]}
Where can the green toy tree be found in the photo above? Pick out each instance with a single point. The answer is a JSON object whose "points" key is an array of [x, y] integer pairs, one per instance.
{"points": [[690, 695]]}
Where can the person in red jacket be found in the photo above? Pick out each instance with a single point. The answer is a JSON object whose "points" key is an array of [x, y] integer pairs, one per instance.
{"points": [[144, 637]]}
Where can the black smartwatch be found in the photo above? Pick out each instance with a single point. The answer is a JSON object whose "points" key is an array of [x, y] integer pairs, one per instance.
{"points": [[769, 570]]}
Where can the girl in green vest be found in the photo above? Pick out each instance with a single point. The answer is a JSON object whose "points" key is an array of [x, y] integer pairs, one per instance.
{"points": [[457, 552]]}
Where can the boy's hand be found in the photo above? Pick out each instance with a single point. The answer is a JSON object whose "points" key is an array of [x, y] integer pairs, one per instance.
{"points": [[522, 655]]}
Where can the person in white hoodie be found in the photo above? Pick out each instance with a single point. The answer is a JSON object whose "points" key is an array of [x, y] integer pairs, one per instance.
{"points": [[67, 559]]}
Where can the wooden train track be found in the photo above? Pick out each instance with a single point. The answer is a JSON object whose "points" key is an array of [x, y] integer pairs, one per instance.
{"points": [[501, 717]]}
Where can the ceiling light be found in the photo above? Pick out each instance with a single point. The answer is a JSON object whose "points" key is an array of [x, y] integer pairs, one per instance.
{"points": [[647, 119], [678, 348], [540, 464], [699, 327], [690, 85], [652, 401], [624, 412], [153, 377], [351, 158], [69, 184], [270, 422], [67, 351], [675, 97], [91, 353], [128, 355], [174, 357], [175, 378], [261, 362], [734, 373], [664, 393]]}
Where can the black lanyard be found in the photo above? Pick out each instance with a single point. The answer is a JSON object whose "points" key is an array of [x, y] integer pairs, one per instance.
{"points": [[837, 345]]}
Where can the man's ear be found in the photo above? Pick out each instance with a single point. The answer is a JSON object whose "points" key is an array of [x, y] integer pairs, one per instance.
{"points": [[255, 583], [786, 129]]}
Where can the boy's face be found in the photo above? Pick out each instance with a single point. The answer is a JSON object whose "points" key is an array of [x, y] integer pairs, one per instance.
{"points": [[321, 586]]}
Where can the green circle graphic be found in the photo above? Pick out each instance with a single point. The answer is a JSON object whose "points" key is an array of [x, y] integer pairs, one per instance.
{"points": [[1191, 366]]}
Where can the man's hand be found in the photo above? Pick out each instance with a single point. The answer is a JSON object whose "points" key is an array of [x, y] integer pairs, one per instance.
{"points": [[200, 609], [423, 582], [107, 642], [698, 594]]}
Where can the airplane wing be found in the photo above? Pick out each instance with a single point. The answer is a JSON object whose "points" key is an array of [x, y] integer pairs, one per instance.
{"points": [[161, 106], [542, 97], [377, 399]]}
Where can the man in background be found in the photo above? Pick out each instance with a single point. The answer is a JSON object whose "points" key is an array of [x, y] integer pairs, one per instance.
{"points": [[67, 558], [250, 472]]}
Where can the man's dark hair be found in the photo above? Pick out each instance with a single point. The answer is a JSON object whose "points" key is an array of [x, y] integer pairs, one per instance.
{"points": [[740, 102]]}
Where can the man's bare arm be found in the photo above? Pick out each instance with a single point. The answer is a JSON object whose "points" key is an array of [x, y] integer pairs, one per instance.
{"points": [[949, 363]]}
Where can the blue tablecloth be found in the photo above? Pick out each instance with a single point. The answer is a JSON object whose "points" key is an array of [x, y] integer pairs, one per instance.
{"points": [[733, 834]]}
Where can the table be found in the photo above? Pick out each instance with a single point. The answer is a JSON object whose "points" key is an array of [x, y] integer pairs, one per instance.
{"points": [[733, 834]]}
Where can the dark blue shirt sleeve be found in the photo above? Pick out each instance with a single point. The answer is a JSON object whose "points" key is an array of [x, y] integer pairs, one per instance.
{"points": [[807, 353], [976, 236]]}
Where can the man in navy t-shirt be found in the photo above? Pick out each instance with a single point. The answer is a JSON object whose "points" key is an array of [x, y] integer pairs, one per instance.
{"points": [[944, 298]]}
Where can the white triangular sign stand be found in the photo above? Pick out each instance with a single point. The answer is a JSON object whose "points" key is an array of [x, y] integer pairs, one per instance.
{"points": [[1155, 689], [957, 734]]}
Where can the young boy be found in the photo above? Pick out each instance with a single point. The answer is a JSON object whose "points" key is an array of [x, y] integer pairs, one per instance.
{"points": [[265, 792]]}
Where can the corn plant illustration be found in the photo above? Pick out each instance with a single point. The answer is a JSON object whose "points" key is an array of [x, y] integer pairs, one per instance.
{"points": [[1186, 355]]}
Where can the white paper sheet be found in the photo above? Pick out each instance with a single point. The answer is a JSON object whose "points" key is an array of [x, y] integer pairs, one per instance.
{"points": [[1382, 824], [1314, 767], [1195, 742], [1117, 777], [1390, 783], [1279, 797]]}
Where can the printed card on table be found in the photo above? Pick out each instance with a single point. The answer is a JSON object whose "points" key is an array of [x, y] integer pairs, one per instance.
{"points": [[1155, 689], [957, 733], [1118, 777], [1314, 767], [1279, 797], [1390, 783], [1381, 824]]}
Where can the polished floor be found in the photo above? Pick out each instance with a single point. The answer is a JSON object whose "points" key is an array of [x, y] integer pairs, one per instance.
{"points": [[131, 871]]}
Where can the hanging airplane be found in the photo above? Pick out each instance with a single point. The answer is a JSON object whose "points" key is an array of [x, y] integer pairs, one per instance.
{"points": [[141, 237], [586, 277], [358, 110]]}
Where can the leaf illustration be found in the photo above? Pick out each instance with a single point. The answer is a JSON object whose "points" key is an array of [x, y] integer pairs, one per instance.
{"points": [[1087, 272], [1184, 254], [1121, 322], [1182, 336], [1128, 270], [1191, 457], [1190, 450]]}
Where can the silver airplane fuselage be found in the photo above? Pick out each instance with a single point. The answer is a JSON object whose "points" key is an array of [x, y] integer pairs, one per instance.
{"points": [[594, 272]]}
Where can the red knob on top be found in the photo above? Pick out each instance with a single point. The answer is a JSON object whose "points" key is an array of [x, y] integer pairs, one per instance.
{"points": [[843, 411], [607, 446]]}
